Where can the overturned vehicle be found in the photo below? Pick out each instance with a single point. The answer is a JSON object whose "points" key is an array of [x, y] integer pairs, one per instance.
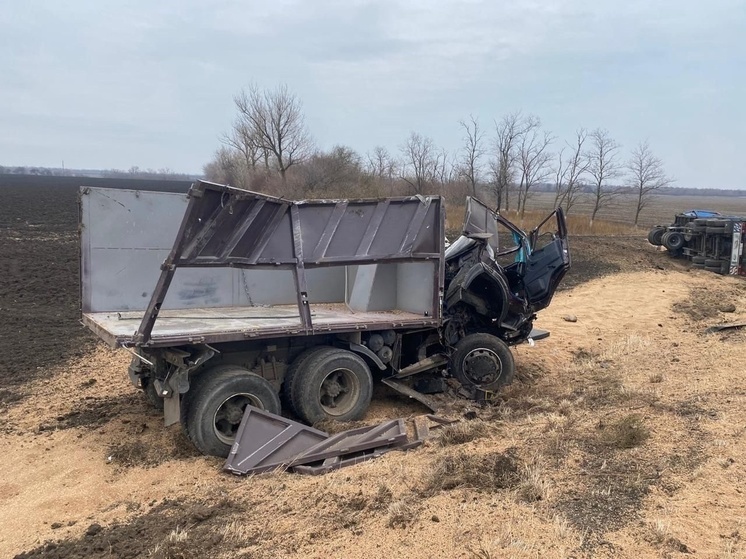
{"points": [[711, 241], [229, 298]]}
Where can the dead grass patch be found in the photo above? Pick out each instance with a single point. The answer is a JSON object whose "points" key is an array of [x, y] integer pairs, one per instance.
{"points": [[403, 512], [463, 432], [484, 472], [628, 432]]}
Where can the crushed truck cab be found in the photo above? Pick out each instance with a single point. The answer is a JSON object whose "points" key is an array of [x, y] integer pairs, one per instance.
{"points": [[229, 298]]}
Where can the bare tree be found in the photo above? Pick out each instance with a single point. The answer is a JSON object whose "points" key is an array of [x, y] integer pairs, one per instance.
{"points": [[243, 139], [533, 158], [577, 166], [419, 162], [275, 120], [646, 175], [472, 152], [225, 168], [380, 164], [503, 166], [559, 179], [603, 166]]}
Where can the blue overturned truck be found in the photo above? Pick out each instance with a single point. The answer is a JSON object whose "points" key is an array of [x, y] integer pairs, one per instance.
{"points": [[711, 241]]}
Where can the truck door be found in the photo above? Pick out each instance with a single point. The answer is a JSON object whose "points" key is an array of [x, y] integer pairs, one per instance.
{"points": [[548, 260]]}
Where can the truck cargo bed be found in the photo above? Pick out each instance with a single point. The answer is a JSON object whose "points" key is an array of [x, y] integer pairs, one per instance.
{"points": [[214, 325]]}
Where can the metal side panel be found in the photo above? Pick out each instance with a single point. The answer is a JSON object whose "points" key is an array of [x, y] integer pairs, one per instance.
{"points": [[127, 234], [266, 442], [228, 226], [389, 433]]}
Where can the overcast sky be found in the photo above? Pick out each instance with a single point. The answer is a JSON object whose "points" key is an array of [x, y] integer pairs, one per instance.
{"points": [[112, 84]]}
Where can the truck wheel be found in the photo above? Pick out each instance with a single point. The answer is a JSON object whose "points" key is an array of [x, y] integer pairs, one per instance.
{"points": [[673, 241], [655, 234], [298, 364], [148, 389], [216, 402], [482, 361], [330, 383], [698, 260]]}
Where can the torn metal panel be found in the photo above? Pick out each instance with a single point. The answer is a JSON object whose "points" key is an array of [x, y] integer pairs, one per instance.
{"points": [[388, 434], [337, 462], [266, 441], [426, 364], [232, 227], [721, 327]]}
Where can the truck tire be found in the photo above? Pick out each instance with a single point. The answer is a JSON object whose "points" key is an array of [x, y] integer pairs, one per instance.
{"points": [[655, 234], [148, 389], [698, 260], [298, 364], [330, 383], [216, 402], [714, 269], [673, 241], [482, 361]]}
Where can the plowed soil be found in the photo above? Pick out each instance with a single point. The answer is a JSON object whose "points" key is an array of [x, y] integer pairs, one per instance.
{"points": [[622, 436]]}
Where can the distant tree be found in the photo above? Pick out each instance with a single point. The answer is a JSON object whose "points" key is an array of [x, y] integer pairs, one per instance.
{"points": [[334, 173], [419, 162], [603, 166], [224, 168], [380, 164], [572, 176], [243, 139], [503, 165], [471, 152], [274, 120], [446, 169], [646, 175], [533, 158]]}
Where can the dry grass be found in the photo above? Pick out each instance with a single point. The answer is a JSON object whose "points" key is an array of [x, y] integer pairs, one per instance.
{"points": [[627, 432], [403, 512], [482, 472], [576, 224], [463, 432]]}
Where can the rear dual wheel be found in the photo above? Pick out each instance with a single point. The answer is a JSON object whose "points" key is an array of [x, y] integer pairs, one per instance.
{"points": [[655, 235], [216, 402], [329, 383], [673, 241]]}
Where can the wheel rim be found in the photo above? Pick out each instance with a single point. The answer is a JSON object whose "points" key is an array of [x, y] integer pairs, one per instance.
{"points": [[228, 416], [482, 366], [339, 391]]}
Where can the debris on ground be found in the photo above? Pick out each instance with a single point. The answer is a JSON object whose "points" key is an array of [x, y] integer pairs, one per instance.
{"points": [[267, 442]]}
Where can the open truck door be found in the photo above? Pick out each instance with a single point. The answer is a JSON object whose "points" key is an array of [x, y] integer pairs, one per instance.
{"points": [[548, 260], [534, 264]]}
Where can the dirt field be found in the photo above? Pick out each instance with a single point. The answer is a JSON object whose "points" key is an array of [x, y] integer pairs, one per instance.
{"points": [[623, 436]]}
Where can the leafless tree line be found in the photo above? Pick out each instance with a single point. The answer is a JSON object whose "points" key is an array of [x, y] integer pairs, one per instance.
{"points": [[270, 148]]}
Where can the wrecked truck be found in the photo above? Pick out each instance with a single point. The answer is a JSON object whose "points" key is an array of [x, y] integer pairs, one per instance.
{"points": [[228, 298]]}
